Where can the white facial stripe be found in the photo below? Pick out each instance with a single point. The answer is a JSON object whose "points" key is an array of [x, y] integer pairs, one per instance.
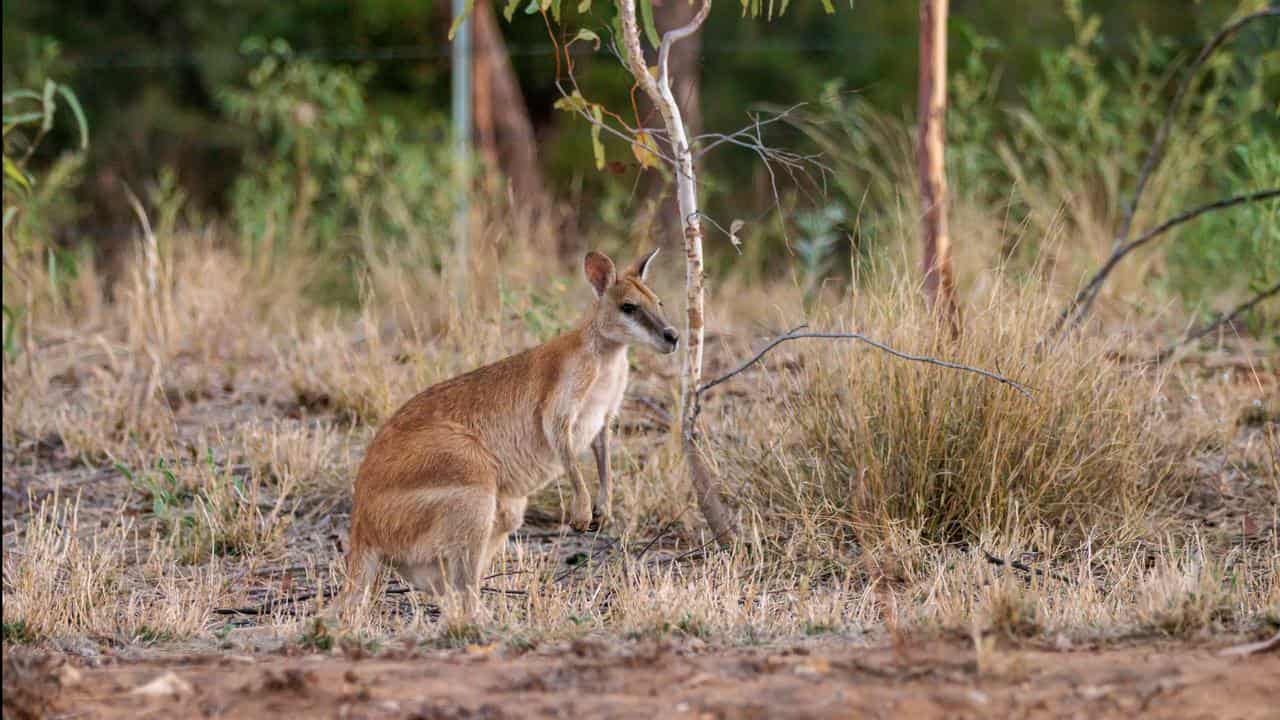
{"points": [[640, 329]]}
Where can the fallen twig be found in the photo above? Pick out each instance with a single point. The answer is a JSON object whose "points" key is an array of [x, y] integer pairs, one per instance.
{"points": [[1023, 567], [271, 605], [1268, 645]]}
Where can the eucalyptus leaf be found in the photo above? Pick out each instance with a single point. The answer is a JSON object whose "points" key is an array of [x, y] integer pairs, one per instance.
{"points": [[597, 146], [646, 19], [81, 123], [588, 35]]}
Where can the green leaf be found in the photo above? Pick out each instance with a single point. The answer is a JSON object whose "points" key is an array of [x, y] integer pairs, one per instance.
{"points": [[584, 7], [126, 472], [572, 103], [15, 95], [53, 270], [10, 121], [78, 112], [615, 21], [646, 18], [532, 8], [457, 22], [50, 87], [828, 7], [597, 147], [16, 174], [10, 329], [510, 10], [585, 34]]}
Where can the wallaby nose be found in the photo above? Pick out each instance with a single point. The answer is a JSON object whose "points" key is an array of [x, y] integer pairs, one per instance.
{"points": [[671, 336]]}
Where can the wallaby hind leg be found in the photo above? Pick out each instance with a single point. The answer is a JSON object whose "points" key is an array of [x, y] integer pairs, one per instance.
{"points": [[509, 518], [450, 557], [363, 567]]}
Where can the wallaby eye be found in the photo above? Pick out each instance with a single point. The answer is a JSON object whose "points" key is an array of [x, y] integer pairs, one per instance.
{"points": [[627, 308]]}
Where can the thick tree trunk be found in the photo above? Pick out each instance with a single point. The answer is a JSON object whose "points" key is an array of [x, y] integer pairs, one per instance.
{"points": [[503, 130], [661, 94], [939, 282]]}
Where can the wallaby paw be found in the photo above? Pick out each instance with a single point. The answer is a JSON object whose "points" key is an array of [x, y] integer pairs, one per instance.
{"points": [[580, 514], [600, 518]]}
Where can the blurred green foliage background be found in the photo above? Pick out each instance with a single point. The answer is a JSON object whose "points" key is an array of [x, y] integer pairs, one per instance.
{"points": [[1053, 105]]}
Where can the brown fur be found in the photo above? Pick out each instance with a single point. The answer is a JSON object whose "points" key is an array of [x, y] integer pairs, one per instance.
{"points": [[446, 479]]}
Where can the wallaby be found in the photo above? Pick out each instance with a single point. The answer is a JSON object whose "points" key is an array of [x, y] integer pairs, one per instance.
{"points": [[447, 478]]}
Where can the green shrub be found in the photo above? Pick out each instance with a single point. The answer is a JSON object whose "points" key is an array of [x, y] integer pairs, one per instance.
{"points": [[330, 178]]}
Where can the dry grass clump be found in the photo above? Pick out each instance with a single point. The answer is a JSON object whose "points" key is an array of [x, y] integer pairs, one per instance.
{"points": [[63, 579], [115, 417], [317, 457], [207, 510], [864, 444]]}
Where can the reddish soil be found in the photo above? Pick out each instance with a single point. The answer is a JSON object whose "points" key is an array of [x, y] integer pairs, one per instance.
{"points": [[657, 679]]}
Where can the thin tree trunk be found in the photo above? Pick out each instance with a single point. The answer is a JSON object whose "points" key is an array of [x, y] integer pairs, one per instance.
{"points": [[659, 91], [685, 86], [502, 123], [939, 282]]}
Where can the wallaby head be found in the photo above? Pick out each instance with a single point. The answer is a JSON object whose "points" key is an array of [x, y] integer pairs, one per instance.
{"points": [[626, 310]]}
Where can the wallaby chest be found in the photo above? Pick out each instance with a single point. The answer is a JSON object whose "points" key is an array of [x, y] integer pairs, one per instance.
{"points": [[601, 399]]}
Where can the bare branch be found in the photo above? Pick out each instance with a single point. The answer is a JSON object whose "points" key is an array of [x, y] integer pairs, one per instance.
{"points": [[795, 334], [756, 122], [671, 37], [1156, 154], [1083, 301], [1221, 320], [797, 166]]}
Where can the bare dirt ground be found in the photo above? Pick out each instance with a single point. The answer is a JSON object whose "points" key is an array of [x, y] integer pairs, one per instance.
{"points": [[945, 678]]}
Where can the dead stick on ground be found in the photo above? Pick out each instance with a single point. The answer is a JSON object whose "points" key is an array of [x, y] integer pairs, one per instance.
{"points": [[1023, 567], [272, 604]]}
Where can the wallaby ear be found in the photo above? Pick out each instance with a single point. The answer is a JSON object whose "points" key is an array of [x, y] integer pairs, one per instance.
{"points": [[600, 271], [640, 268]]}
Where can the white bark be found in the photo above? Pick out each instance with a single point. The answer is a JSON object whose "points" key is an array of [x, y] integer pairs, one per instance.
{"points": [[659, 91]]}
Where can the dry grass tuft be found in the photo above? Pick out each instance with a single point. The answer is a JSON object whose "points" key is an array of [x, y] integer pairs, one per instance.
{"points": [[860, 444], [65, 580]]}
